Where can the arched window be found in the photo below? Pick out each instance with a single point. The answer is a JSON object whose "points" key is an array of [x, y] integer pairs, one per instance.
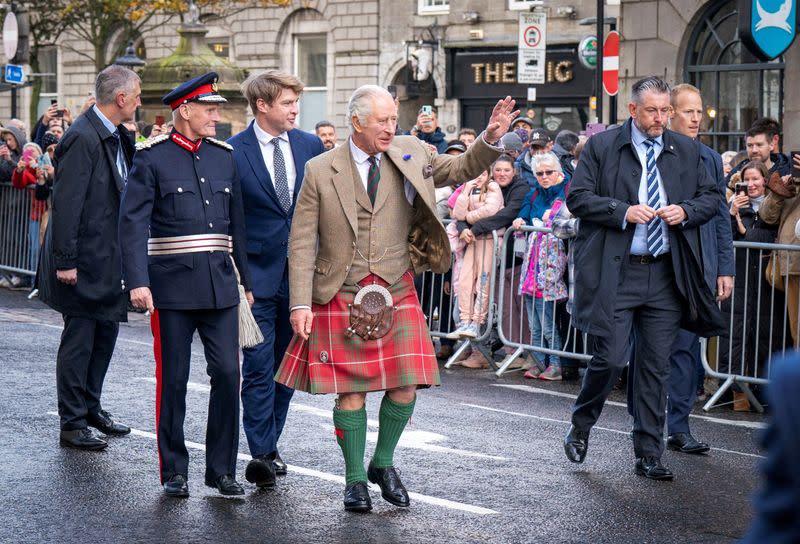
{"points": [[736, 87]]}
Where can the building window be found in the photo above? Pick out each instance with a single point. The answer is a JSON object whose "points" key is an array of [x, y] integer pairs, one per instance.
{"points": [[737, 89], [48, 64], [433, 7], [220, 46], [311, 66]]}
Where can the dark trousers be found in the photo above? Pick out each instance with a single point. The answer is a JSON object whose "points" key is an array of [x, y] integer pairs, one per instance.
{"points": [[683, 381], [264, 402], [81, 364], [647, 304], [219, 332]]}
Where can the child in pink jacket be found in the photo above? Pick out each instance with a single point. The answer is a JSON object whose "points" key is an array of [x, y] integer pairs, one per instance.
{"points": [[479, 198]]}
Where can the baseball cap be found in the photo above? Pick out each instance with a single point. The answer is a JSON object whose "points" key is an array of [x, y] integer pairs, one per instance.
{"points": [[539, 137]]}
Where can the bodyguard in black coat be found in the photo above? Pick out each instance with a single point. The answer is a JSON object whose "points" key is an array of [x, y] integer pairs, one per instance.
{"points": [[80, 274], [641, 192]]}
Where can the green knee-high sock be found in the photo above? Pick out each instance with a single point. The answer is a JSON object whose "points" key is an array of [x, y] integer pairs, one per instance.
{"points": [[392, 420], [351, 434]]}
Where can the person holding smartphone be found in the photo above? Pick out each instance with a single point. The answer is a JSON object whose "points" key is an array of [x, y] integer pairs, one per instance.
{"points": [[427, 129], [782, 207]]}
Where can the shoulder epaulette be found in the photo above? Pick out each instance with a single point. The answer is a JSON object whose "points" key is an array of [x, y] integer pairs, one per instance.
{"points": [[150, 142], [220, 143]]}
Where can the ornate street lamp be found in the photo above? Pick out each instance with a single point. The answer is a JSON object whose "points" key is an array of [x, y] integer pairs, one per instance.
{"points": [[129, 59]]}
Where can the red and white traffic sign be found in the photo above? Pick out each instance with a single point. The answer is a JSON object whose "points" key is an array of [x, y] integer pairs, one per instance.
{"points": [[611, 63]]}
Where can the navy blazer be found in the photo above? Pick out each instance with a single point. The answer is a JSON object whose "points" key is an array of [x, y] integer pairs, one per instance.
{"points": [[716, 240], [267, 224]]}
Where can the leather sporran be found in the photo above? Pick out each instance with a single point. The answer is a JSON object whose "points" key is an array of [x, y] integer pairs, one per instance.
{"points": [[371, 314]]}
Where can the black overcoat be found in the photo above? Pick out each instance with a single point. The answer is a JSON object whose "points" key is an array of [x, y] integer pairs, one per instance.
{"points": [[605, 185], [82, 232]]}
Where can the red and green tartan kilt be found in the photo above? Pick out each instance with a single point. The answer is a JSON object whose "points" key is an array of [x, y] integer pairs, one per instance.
{"points": [[329, 362]]}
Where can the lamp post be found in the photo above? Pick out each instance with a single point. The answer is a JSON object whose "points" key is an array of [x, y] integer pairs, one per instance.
{"points": [[129, 59]]}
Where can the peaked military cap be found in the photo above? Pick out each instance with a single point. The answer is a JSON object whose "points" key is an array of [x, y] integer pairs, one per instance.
{"points": [[199, 89]]}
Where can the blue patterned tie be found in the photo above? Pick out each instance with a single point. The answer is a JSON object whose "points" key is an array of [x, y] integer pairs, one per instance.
{"points": [[281, 181], [655, 235]]}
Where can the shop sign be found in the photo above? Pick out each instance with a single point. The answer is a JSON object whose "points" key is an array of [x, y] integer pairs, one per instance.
{"points": [[768, 27], [587, 52]]}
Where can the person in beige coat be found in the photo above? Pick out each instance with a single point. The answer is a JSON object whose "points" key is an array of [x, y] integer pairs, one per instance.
{"points": [[365, 222], [782, 207]]}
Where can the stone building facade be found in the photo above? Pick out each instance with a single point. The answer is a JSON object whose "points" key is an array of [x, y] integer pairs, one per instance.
{"points": [[470, 49]]}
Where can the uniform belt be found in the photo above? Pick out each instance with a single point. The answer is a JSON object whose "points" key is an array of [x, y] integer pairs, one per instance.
{"points": [[647, 259], [193, 243]]}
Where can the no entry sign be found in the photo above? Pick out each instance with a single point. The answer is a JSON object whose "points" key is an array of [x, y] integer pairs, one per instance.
{"points": [[611, 63]]}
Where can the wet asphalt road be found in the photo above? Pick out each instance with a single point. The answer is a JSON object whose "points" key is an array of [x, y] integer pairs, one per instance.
{"points": [[482, 456]]}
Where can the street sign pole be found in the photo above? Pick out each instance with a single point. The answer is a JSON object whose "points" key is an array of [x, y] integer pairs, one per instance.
{"points": [[599, 68]]}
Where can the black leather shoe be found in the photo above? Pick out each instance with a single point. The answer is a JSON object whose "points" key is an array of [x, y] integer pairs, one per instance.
{"points": [[651, 468], [356, 497], [103, 422], [686, 443], [392, 489], [226, 485], [575, 444], [176, 486], [279, 465], [260, 471], [82, 439]]}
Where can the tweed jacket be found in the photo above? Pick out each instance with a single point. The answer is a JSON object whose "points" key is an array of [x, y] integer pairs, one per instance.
{"points": [[784, 212], [325, 230]]}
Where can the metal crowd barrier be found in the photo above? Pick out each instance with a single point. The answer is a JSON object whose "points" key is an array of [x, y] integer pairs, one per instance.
{"points": [[15, 249], [518, 314], [759, 319], [441, 309]]}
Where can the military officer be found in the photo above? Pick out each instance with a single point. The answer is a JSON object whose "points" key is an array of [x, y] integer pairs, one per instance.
{"points": [[181, 221]]}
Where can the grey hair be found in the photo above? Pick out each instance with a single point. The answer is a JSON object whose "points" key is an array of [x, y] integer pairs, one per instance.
{"points": [[113, 80], [549, 159], [652, 84], [361, 102]]}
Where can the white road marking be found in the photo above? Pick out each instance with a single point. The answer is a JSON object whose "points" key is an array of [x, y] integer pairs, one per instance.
{"points": [[552, 420], [411, 438], [427, 499], [721, 421]]}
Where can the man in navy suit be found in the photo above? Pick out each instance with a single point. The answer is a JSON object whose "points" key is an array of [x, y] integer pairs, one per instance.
{"points": [[270, 157]]}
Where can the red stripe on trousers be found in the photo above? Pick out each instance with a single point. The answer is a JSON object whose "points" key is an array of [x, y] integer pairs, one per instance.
{"points": [[155, 327]]}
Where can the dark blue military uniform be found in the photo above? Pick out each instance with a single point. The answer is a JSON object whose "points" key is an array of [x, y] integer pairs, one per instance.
{"points": [[181, 221]]}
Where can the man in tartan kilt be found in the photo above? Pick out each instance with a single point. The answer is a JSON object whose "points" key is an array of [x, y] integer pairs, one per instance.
{"points": [[365, 222]]}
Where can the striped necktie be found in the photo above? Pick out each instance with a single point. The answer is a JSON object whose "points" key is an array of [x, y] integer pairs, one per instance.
{"points": [[655, 234], [373, 178]]}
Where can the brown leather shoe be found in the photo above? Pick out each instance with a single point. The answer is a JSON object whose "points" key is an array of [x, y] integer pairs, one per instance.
{"points": [[476, 360], [445, 352]]}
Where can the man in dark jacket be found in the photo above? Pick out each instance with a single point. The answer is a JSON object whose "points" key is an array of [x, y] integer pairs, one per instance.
{"points": [[80, 273], [564, 148], [641, 192], [761, 140], [718, 268], [427, 130]]}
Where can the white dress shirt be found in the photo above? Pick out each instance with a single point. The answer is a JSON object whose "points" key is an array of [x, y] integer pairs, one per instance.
{"points": [[639, 243], [361, 158], [268, 152]]}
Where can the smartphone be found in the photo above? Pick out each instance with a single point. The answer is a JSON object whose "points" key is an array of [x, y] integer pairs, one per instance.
{"points": [[795, 169], [53, 101], [427, 109], [26, 155], [740, 189], [392, 90], [159, 120], [59, 113]]}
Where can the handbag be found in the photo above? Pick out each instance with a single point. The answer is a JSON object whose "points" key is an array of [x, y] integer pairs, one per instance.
{"points": [[773, 272]]}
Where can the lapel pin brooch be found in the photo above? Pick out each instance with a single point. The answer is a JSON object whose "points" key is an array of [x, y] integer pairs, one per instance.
{"points": [[406, 157]]}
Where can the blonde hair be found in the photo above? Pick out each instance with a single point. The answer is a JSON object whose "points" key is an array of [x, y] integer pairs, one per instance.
{"points": [[682, 88], [268, 86]]}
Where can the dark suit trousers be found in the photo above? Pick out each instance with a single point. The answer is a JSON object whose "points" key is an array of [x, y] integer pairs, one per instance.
{"points": [[647, 303], [264, 402], [81, 364], [683, 381], [219, 333]]}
